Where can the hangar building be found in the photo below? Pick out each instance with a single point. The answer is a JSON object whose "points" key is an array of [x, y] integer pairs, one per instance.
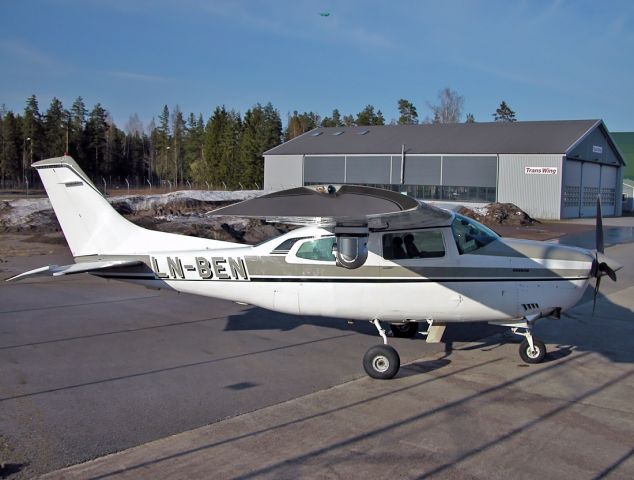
{"points": [[551, 169]]}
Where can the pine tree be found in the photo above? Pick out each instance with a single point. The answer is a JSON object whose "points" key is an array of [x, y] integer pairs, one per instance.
{"points": [[96, 129], [334, 121], [193, 143], [9, 149], [178, 148], [407, 113], [32, 132], [76, 129], [366, 116], [470, 118], [55, 129], [261, 131], [300, 123], [221, 147], [504, 113], [162, 166]]}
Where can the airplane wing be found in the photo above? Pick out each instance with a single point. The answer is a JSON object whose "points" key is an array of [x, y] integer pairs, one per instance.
{"points": [[331, 206], [84, 267]]}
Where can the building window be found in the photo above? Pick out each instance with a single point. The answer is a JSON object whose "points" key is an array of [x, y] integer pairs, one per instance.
{"points": [[608, 196], [435, 192], [571, 196], [590, 195]]}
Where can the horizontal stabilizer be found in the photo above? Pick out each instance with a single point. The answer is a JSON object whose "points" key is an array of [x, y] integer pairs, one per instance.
{"points": [[84, 267]]}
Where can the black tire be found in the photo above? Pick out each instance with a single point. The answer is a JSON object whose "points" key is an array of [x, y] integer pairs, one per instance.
{"points": [[537, 355], [404, 330], [381, 362]]}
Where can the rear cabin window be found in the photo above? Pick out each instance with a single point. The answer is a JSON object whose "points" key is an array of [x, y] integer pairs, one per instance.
{"points": [[471, 235], [318, 249], [404, 245], [286, 245]]}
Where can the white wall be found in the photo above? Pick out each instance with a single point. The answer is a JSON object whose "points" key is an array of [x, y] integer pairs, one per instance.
{"points": [[537, 195], [283, 171]]}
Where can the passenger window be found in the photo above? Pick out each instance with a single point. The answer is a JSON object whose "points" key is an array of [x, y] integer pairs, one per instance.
{"points": [[422, 244], [471, 235], [318, 249]]}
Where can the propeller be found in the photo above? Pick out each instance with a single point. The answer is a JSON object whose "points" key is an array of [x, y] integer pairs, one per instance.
{"points": [[600, 267]]}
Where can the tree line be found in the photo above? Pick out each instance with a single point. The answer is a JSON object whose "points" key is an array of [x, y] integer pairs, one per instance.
{"points": [[178, 149]]}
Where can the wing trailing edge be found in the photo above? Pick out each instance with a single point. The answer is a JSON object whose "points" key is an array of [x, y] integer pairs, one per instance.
{"points": [[83, 267]]}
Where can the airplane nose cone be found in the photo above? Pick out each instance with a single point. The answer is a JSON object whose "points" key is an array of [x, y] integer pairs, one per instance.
{"points": [[603, 265]]}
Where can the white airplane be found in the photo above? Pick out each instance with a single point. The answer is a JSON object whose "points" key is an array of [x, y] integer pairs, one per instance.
{"points": [[362, 254]]}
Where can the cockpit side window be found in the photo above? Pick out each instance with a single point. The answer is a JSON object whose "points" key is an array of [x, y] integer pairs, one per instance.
{"points": [[319, 249], [421, 244], [471, 235]]}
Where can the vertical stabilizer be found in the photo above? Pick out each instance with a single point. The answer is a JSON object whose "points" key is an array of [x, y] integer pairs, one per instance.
{"points": [[90, 224]]}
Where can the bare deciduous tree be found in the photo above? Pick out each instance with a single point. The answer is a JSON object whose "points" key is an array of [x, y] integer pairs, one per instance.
{"points": [[449, 107]]}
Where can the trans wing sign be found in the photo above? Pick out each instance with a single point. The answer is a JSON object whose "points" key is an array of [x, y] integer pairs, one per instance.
{"points": [[540, 170]]}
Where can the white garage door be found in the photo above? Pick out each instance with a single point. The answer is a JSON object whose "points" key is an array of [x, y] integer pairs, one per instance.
{"points": [[590, 183], [608, 189], [572, 189]]}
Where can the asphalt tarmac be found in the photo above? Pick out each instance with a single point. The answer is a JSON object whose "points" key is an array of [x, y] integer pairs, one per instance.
{"points": [[90, 367]]}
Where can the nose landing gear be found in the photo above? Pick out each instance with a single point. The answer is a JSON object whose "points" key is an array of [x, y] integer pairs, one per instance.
{"points": [[531, 349]]}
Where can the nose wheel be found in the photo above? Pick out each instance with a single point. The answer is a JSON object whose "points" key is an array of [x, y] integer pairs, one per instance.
{"points": [[532, 354], [381, 361], [531, 349]]}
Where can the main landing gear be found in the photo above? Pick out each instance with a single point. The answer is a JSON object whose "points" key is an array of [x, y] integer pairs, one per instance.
{"points": [[381, 361]]}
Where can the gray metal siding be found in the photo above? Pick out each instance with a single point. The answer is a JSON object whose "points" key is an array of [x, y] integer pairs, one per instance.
{"points": [[282, 172], [324, 169], [361, 169], [473, 171], [596, 138], [539, 195], [422, 170]]}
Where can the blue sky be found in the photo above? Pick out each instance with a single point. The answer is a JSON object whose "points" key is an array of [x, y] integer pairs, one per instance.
{"points": [[547, 59]]}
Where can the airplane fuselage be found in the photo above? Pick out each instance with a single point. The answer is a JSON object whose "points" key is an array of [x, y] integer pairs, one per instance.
{"points": [[503, 280]]}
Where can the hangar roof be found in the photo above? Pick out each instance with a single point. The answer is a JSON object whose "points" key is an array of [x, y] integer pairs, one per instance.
{"points": [[557, 136]]}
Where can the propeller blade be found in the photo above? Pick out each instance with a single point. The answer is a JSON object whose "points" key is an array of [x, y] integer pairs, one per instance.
{"points": [[599, 227], [594, 297], [608, 271]]}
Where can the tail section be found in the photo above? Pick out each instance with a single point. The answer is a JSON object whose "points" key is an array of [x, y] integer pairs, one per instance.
{"points": [[90, 224]]}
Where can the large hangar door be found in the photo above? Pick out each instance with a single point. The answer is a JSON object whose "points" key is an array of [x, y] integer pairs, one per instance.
{"points": [[590, 183], [572, 189], [608, 189]]}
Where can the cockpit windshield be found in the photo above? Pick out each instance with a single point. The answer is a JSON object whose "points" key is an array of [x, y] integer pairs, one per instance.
{"points": [[471, 235]]}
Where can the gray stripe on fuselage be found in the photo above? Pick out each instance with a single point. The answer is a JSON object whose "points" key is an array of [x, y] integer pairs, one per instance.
{"points": [[278, 267]]}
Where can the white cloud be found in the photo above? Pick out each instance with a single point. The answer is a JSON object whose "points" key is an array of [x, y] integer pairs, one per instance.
{"points": [[26, 53]]}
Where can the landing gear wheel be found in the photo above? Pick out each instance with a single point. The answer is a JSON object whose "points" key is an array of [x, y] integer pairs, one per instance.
{"points": [[404, 330], [382, 362], [534, 355]]}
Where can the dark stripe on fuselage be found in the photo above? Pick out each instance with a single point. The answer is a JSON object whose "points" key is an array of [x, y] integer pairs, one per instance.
{"points": [[412, 280], [350, 280]]}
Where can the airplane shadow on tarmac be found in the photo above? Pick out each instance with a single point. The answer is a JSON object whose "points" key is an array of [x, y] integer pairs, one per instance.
{"points": [[577, 330]]}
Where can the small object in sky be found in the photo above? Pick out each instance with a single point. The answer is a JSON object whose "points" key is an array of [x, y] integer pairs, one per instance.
{"points": [[324, 14]]}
